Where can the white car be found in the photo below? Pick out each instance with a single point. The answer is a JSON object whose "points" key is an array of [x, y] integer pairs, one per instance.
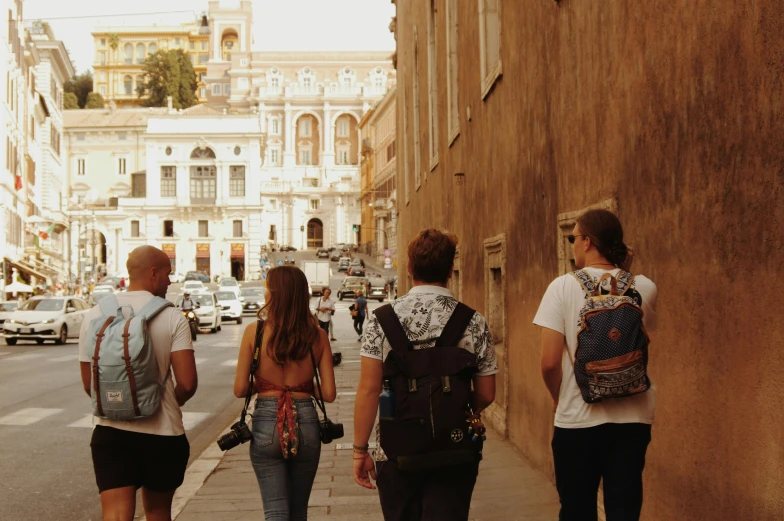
{"points": [[231, 307], [46, 318], [193, 287], [207, 310], [6, 308], [229, 284], [176, 278]]}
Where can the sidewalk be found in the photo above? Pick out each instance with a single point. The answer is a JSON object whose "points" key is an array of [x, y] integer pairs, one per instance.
{"points": [[507, 487]]}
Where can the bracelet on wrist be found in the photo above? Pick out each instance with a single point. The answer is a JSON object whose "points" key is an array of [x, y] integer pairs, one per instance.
{"points": [[361, 448]]}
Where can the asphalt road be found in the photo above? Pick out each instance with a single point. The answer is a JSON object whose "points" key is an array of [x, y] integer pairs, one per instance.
{"points": [[45, 420]]}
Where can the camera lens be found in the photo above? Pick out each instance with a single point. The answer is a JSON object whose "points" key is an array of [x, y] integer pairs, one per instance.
{"points": [[228, 441]]}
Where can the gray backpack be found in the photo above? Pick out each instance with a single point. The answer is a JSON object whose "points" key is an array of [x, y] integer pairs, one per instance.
{"points": [[125, 382]]}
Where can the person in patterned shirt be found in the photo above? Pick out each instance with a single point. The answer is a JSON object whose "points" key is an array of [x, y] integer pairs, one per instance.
{"points": [[423, 312]]}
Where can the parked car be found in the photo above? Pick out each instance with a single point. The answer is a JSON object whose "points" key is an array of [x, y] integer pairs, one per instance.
{"points": [[322, 253], [252, 299], [356, 271], [229, 284], [377, 288], [6, 308], [176, 278], [344, 263], [193, 286], [287, 247], [231, 307], [197, 275], [351, 285], [335, 255], [46, 318], [207, 310]]}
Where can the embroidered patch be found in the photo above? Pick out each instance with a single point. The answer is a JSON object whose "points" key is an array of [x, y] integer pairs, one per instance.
{"points": [[457, 435], [114, 396], [614, 334]]}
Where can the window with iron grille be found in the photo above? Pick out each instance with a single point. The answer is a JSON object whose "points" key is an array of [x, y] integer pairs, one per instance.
{"points": [[168, 181], [237, 181]]}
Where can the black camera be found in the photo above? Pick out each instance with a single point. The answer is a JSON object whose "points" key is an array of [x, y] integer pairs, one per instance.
{"points": [[329, 431], [240, 433]]}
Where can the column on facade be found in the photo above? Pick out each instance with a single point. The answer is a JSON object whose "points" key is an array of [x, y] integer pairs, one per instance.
{"points": [[289, 153], [328, 139], [182, 181], [222, 183]]}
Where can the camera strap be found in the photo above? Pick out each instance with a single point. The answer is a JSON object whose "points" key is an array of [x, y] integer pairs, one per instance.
{"points": [[320, 398], [254, 366]]}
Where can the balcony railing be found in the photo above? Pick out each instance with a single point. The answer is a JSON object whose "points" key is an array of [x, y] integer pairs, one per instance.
{"points": [[304, 90], [203, 200], [336, 89]]}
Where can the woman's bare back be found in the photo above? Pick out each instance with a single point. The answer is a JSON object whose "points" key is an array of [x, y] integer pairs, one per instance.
{"points": [[291, 374]]}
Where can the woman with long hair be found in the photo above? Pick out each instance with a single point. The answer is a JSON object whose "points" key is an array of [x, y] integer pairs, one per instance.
{"points": [[286, 444]]}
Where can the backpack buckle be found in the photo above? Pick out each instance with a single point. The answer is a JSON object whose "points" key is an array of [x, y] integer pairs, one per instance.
{"points": [[412, 386]]}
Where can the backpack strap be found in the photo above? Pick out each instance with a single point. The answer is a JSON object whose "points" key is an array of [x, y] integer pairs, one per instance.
{"points": [[625, 281], [129, 368], [455, 326], [109, 306], [153, 307], [393, 329], [586, 281], [96, 357]]}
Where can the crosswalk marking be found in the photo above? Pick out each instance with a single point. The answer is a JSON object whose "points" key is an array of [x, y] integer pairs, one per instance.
{"points": [[27, 416], [347, 393], [66, 358], [28, 356], [85, 422], [229, 363], [192, 419]]}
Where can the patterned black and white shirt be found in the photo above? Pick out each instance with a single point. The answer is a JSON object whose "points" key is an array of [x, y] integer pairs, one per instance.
{"points": [[424, 312]]}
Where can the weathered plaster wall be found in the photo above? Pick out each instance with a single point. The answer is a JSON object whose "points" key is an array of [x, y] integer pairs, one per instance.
{"points": [[675, 110]]}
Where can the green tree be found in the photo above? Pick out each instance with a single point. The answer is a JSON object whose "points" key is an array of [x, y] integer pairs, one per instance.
{"points": [[168, 73], [94, 101], [70, 101], [81, 85]]}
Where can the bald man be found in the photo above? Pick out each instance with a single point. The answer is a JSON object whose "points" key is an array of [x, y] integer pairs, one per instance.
{"points": [[150, 453]]}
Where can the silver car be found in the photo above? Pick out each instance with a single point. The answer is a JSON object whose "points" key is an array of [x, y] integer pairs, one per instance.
{"points": [[46, 318]]}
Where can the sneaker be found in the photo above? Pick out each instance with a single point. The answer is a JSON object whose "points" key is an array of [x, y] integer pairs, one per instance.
{"points": [[359, 339], [333, 338]]}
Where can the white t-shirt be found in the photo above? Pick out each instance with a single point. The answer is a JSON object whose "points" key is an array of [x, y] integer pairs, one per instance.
{"points": [[169, 332], [559, 311], [325, 316]]}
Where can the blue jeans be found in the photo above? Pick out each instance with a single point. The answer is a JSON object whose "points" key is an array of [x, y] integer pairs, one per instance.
{"points": [[285, 483]]}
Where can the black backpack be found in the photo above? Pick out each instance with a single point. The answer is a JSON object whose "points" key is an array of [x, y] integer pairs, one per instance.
{"points": [[432, 390]]}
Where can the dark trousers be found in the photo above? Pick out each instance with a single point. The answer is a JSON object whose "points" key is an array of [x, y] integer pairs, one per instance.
{"points": [[613, 452], [358, 322], [431, 495], [324, 326]]}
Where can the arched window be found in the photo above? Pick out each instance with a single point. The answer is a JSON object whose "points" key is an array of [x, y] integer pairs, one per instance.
{"points": [[128, 53], [202, 153], [128, 85], [153, 48], [139, 82], [139, 53]]}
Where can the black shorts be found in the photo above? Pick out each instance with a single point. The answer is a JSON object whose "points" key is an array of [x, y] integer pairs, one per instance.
{"points": [[133, 459]]}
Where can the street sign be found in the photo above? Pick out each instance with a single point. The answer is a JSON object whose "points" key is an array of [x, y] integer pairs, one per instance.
{"points": [[280, 262], [387, 253]]}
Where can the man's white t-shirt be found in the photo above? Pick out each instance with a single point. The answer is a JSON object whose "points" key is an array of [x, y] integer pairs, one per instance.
{"points": [[169, 332], [325, 316], [559, 311]]}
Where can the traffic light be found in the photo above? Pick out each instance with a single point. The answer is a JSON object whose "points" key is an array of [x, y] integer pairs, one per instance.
{"points": [[355, 227]]}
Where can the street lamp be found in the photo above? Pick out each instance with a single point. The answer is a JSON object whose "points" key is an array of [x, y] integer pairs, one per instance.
{"points": [[205, 25]]}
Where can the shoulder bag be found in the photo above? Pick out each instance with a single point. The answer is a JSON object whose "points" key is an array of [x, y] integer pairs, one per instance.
{"points": [[329, 431]]}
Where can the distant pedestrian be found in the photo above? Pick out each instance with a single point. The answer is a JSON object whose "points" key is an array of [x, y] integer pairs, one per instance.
{"points": [[286, 447], [424, 472], [122, 283], [597, 438], [152, 452], [325, 307], [361, 307]]}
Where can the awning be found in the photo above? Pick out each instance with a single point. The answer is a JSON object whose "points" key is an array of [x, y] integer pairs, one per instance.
{"points": [[26, 268], [202, 251], [238, 251], [170, 250]]}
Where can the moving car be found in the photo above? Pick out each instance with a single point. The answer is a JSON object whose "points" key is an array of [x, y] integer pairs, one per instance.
{"points": [[377, 288], [344, 263], [193, 286], [335, 256], [229, 284], [322, 253], [176, 278], [100, 292], [6, 308], [207, 310], [351, 285], [287, 247], [46, 318], [356, 271], [231, 307], [357, 262], [197, 275], [252, 299]]}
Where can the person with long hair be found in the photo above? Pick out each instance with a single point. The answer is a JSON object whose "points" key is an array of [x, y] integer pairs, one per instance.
{"points": [[286, 443], [605, 440]]}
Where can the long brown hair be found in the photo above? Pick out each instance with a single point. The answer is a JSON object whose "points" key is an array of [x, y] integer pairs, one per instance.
{"points": [[295, 330], [606, 233]]}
